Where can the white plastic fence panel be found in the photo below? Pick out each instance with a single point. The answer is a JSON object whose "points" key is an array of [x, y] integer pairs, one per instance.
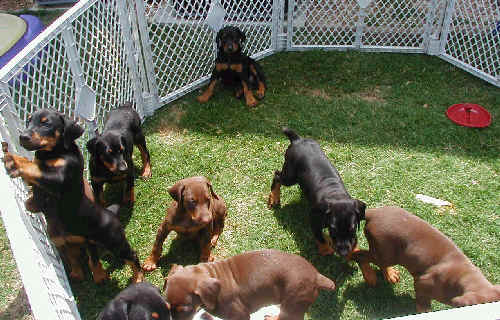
{"points": [[182, 44], [471, 37], [369, 25], [39, 264], [90, 45]]}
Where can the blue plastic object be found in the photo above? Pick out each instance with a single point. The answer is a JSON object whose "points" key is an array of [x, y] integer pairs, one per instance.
{"points": [[34, 27]]}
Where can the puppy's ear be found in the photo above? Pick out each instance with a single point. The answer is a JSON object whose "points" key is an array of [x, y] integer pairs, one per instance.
{"points": [[214, 195], [242, 35], [115, 310], [218, 39], [208, 291], [72, 131], [176, 190], [91, 146], [361, 209], [175, 268]]}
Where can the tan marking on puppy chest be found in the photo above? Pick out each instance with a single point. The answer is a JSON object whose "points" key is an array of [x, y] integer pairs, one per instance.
{"points": [[60, 162], [237, 67], [221, 66]]}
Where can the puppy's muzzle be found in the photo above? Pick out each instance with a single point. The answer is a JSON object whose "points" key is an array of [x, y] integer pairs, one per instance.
{"points": [[26, 141]]}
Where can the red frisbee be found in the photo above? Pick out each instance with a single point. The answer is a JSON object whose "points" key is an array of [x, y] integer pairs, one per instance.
{"points": [[469, 115]]}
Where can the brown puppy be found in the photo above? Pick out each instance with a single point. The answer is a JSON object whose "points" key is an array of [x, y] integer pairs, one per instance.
{"points": [[439, 268], [197, 212], [238, 286]]}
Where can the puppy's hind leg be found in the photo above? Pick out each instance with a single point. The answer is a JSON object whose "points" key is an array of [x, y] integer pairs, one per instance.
{"points": [[363, 258], [140, 142], [98, 272]]}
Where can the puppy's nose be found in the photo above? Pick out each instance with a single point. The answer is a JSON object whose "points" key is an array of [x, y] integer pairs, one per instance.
{"points": [[24, 138], [343, 250]]}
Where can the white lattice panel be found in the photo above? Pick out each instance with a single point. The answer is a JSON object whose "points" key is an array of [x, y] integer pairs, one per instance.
{"points": [[473, 37], [395, 23], [323, 23]]}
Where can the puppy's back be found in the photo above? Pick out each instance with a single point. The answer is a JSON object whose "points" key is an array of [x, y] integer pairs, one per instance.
{"points": [[404, 238]]}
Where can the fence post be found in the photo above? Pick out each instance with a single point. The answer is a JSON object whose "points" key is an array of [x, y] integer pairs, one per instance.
{"points": [[289, 29], [450, 10], [123, 16], [152, 99], [11, 129], [277, 31], [360, 25]]}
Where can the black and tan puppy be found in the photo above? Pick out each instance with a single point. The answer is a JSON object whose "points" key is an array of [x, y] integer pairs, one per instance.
{"points": [[59, 190], [139, 301], [235, 69], [331, 205], [439, 268], [240, 285], [111, 152], [196, 212]]}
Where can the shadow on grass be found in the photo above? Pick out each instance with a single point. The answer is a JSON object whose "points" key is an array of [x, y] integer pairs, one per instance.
{"points": [[369, 104], [294, 217], [379, 301], [180, 250], [19, 308]]}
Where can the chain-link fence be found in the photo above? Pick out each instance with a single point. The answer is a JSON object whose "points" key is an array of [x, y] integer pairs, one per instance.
{"points": [[152, 52]]}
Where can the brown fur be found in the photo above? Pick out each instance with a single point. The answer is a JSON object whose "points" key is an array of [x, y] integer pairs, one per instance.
{"points": [[197, 212], [238, 286], [439, 268]]}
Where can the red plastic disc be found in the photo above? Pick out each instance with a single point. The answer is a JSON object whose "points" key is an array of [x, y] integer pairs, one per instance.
{"points": [[469, 115]]}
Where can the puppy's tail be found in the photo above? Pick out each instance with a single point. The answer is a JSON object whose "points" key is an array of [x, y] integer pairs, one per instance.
{"points": [[324, 283], [291, 134]]}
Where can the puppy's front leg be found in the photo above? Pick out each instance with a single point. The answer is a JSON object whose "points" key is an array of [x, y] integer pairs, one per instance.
{"points": [[206, 246], [17, 166], [275, 195], [151, 262], [209, 92], [323, 241]]}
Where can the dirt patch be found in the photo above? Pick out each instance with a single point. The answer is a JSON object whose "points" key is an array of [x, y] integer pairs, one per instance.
{"points": [[315, 93], [12, 5], [373, 95], [168, 128]]}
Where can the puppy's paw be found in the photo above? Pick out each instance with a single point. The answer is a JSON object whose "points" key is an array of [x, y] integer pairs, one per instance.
{"points": [[325, 249], [269, 317], [273, 201], [150, 264], [100, 277], [391, 275], [146, 173], [261, 93], [203, 98]]}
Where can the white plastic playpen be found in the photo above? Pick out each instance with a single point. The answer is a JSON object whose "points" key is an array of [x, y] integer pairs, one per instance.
{"points": [[104, 52]]}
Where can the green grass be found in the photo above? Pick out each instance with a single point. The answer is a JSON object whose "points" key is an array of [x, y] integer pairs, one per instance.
{"points": [[380, 118]]}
